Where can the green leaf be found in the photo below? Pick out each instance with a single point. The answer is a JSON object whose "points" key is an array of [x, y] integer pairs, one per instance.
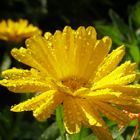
{"points": [[120, 138], [111, 31], [116, 132], [118, 22], [135, 53], [133, 123], [51, 133], [125, 30], [90, 137], [81, 135], [109, 122], [135, 13]]}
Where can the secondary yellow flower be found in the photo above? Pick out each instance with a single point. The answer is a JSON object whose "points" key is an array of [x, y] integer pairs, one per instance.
{"points": [[75, 69], [16, 31]]}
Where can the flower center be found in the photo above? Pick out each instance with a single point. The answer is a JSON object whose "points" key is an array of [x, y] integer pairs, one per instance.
{"points": [[74, 83]]}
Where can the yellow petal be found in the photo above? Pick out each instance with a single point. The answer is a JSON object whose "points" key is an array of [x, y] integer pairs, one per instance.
{"points": [[24, 55], [16, 31], [91, 34], [47, 108], [72, 116], [109, 63], [120, 76], [97, 56], [61, 52], [47, 35], [122, 70], [3, 24], [85, 40], [41, 54], [89, 115], [10, 24], [137, 75], [129, 90], [102, 133], [76, 44], [14, 74], [20, 81], [101, 94], [122, 100], [112, 113], [134, 108], [109, 96], [25, 85], [34, 102]]}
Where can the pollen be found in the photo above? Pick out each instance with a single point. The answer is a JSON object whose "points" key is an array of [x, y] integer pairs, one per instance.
{"points": [[74, 83]]}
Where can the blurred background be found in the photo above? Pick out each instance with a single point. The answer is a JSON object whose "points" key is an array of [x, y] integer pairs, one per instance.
{"points": [[120, 19]]}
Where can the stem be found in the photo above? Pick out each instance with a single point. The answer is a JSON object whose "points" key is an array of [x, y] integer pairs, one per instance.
{"points": [[77, 136], [59, 119], [80, 134]]}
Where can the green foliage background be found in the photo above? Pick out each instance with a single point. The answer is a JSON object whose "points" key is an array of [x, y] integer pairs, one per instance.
{"points": [[119, 19]]}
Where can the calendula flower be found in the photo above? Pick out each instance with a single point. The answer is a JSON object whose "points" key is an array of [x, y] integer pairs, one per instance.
{"points": [[76, 70], [16, 31]]}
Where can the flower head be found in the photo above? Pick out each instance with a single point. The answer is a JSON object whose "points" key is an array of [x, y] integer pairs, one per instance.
{"points": [[16, 31], [75, 69]]}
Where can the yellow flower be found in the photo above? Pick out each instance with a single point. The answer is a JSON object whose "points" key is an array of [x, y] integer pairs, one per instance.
{"points": [[75, 69], [16, 31]]}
